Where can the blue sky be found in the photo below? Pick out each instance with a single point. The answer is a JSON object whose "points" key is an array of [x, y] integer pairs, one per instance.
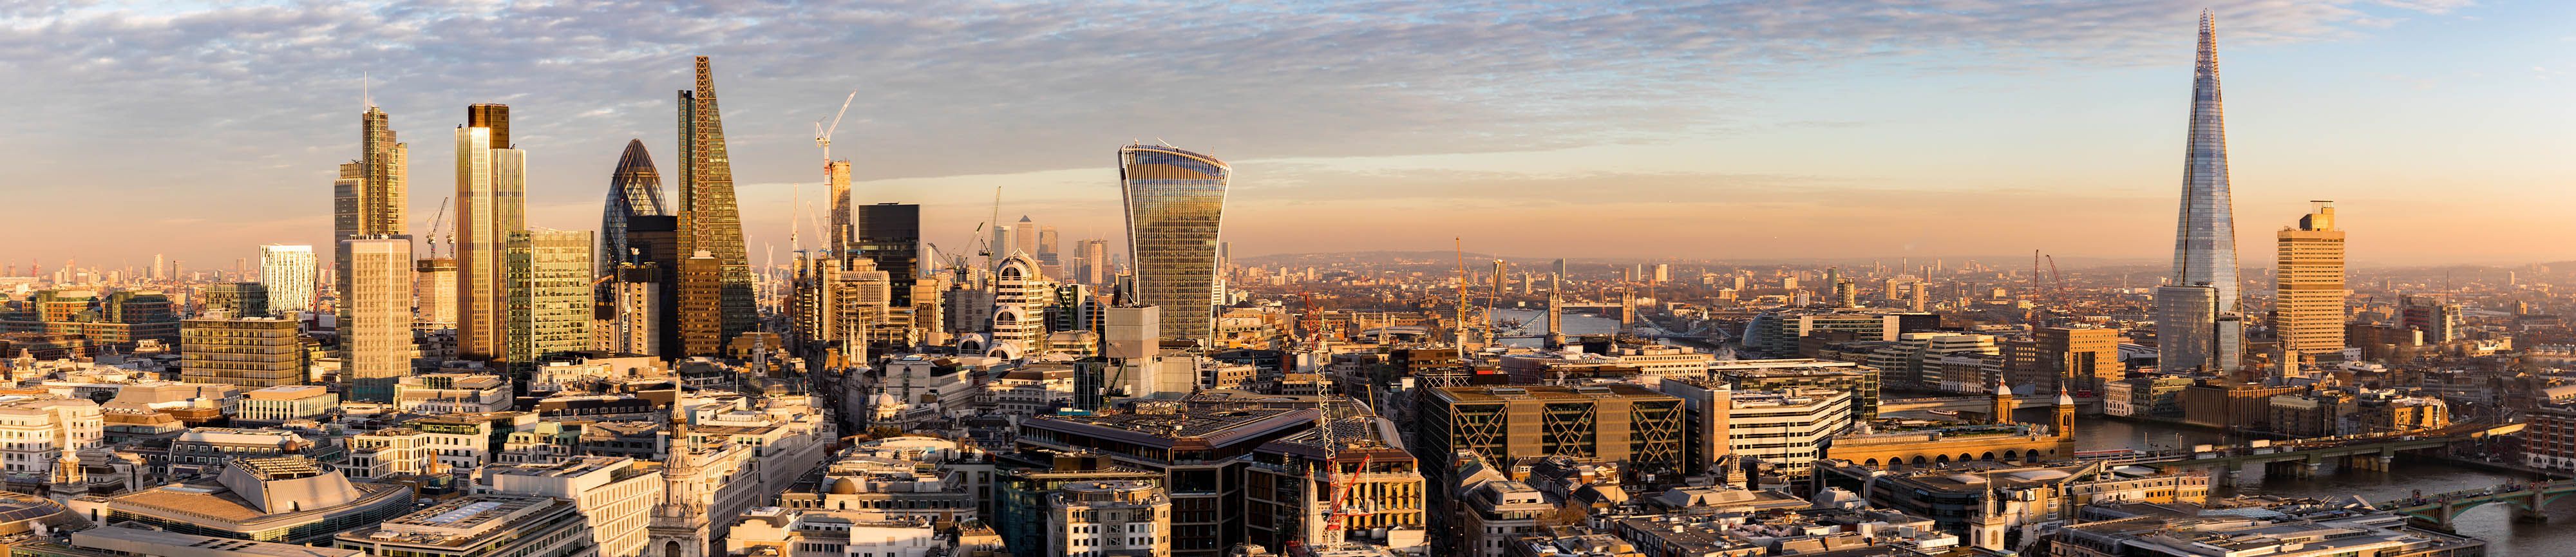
{"points": [[1628, 129]]}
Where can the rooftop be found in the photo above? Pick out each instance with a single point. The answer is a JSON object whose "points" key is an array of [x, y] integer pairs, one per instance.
{"points": [[1549, 393]]}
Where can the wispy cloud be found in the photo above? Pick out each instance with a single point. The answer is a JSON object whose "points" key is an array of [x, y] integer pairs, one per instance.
{"points": [[242, 107]]}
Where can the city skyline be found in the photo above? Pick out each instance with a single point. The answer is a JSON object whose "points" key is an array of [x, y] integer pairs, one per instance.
{"points": [[1758, 139]]}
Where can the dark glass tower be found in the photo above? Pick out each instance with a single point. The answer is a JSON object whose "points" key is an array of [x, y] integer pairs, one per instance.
{"points": [[2197, 324], [634, 190], [709, 224], [890, 235]]}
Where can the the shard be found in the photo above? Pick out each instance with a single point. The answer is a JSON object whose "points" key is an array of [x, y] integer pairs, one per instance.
{"points": [[716, 303], [634, 190], [2197, 323]]}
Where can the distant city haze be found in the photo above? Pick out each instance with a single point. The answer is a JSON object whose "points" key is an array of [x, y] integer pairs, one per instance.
{"points": [[2440, 129]]}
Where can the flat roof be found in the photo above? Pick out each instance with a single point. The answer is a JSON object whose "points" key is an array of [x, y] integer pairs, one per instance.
{"points": [[1500, 393], [1210, 426], [140, 541]]}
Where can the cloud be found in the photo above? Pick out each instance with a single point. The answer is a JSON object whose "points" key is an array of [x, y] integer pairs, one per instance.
{"points": [[243, 107], [966, 86]]}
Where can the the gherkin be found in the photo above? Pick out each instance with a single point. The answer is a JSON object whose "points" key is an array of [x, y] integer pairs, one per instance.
{"points": [[634, 190]]}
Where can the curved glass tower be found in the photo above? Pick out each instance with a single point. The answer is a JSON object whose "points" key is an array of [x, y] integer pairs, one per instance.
{"points": [[1175, 205], [2197, 323], [634, 190]]}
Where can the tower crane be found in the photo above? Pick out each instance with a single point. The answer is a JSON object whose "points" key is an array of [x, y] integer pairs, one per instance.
{"points": [[996, 222], [838, 190], [2056, 281], [434, 220], [823, 134]]}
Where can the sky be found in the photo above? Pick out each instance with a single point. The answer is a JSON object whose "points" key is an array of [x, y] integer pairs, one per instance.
{"points": [[2442, 129]]}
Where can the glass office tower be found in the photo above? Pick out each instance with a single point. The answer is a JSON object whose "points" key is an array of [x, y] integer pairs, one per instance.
{"points": [[2204, 237], [1175, 205]]}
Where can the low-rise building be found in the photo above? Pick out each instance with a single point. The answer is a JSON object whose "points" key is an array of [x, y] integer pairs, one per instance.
{"points": [[285, 403], [615, 496], [1110, 518], [209, 448], [452, 393], [283, 499], [480, 526], [121, 541], [777, 532]]}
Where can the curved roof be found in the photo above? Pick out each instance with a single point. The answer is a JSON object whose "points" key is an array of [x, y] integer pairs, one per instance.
{"points": [[1167, 149], [1155, 162]]}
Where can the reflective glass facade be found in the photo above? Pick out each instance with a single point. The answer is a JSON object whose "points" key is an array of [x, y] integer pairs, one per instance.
{"points": [[1175, 205], [709, 221], [550, 305], [491, 202], [634, 189], [2204, 231]]}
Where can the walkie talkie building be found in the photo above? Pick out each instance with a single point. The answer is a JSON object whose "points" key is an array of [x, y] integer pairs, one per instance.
{"points": [[1175, 205]]}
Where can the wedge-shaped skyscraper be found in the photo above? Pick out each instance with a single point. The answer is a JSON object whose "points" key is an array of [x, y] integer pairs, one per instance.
{"points": [[2198, 325], [710, 224]]}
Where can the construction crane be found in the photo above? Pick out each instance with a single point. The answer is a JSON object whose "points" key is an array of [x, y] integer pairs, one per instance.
{"points": [[823, 134], [1460, 245], [834, 183], [996, 222], [2056, 280], [441, 217]]}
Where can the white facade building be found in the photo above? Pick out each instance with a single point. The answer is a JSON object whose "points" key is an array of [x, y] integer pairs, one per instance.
{"points": [[615, 494], [288, 273]]}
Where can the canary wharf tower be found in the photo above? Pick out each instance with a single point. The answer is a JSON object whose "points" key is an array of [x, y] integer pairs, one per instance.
{"points": [[2197, 323], [710, 313], [1175, 204]]}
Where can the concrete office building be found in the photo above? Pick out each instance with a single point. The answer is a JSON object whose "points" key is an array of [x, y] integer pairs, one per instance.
{"points": [[1802, 374], [1193, 447], [375, 315], [1175, 202], [249, 352], [1110, 518], [43, 430], [288, 273], [614, 494], [630, 315], [491, 203], [2308, 284], [1091, 262], [433, 292], [1615, 422], [2434, 315], [285, 403], [2082, 359]]}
